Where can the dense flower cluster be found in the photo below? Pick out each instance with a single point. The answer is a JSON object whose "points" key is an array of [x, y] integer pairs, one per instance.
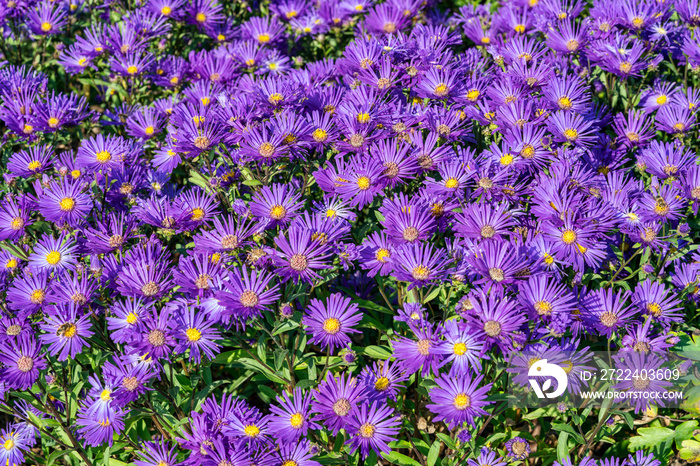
{"points": [[302, 231]]}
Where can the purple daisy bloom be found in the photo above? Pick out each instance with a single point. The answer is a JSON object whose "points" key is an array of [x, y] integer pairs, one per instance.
{"points": [[66, 331], [458, 400], [22, 362], [372, 427], [300, 256], [290, 419], [335, 399], [330, 323], [53, 254]]}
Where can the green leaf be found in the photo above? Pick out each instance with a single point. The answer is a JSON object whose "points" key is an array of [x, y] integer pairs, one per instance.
{"points": [[432, 295], [398, 458], [433, 453], [650, 437], [569, 429], [562, 446], [376, 352], [684, 431], [690, 451]]}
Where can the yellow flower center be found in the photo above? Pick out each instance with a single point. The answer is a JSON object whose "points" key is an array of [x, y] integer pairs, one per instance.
{"points": [[367, 430], [568, 236], [34, 165], [46, 27], [11, 264], [106, 395], [363, 183], [132, 318], [549, 260], [70, 331], [264, 38], [543, 308], [296, 420], [441, 90], [451, 183], [381, 384], [382, 255], [166, 10], [331, 325], [519, 28], [201, 17], [193, 334], [459, 349], [251, 431], [132, 69], [174, 80], [571, 134], [506, 159], [564, 103], [103, 156], [53, 122], [67, 204], [197, 214], [278, 212], [150, 130], [37, 296], [461, 401], [53, 258], [473, 95], [9, 444], [363, 118]]}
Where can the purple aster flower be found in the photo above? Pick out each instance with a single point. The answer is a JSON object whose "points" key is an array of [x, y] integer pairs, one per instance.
{"points": [[28, 292], [53, 254], [458, 400], [30, 162], [641, 385], [96, 432], [279, 205], [102, 153], [14, 218], [298, 453], [22, 362], [518, 448], [300, 255], [420, 264], [195, 333], [13, 443], [156, 453], [372, 427], [64, 202], [486, 457], [335, 399], [66, 331], [245, 293], [382, 380], [157, 338], [330, 323], [422, 352], [463, 347], [376, 254], [607, 311], [654, 299], [128, 379], [571, 127], [290, 419], [497, 317], [127, 322]]}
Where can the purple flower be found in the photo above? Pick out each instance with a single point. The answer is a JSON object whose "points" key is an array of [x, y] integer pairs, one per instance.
{"points": [[458, 400], [330, 323], [372, 427]]}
